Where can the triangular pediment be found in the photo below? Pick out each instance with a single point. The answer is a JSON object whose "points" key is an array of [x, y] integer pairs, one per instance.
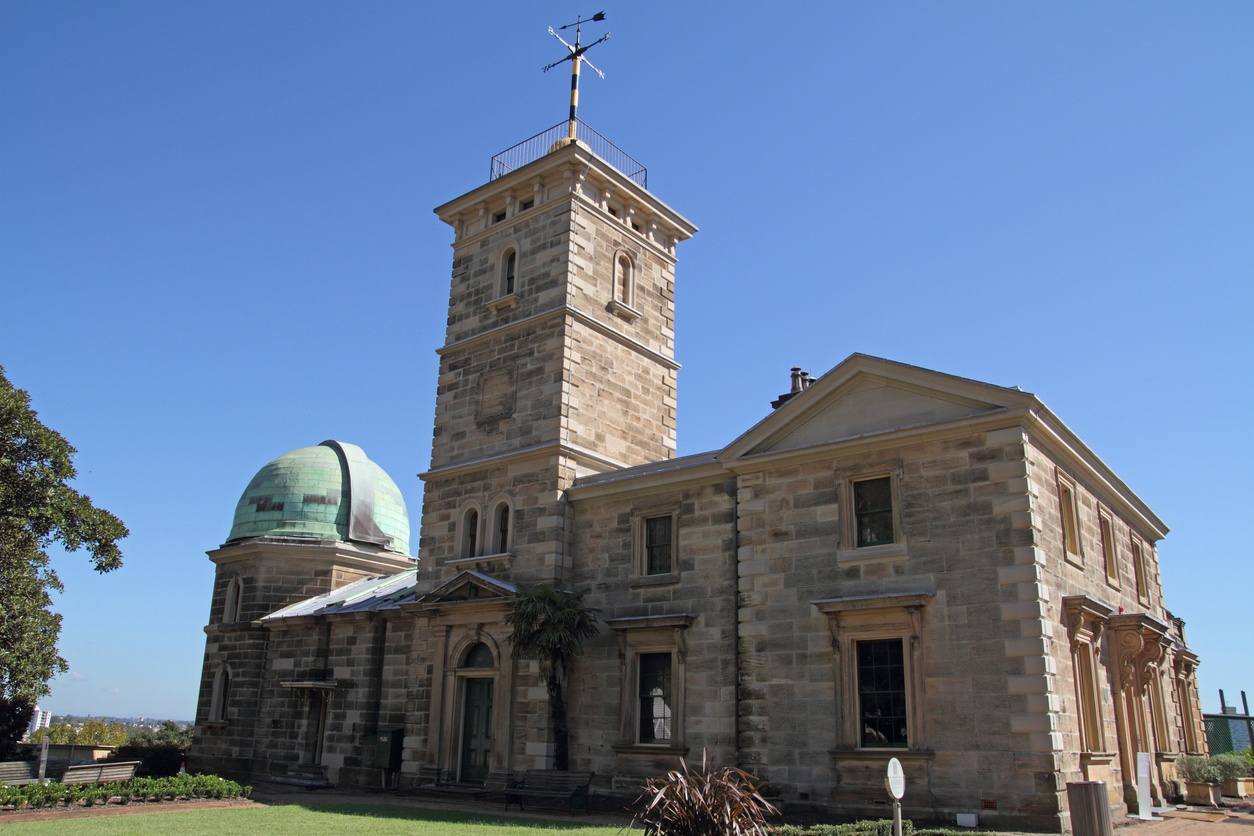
{"points": [[866, 396], [469, 587]]}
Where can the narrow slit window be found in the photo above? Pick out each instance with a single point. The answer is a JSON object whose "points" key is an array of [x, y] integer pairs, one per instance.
{"points": [[1108, 551], [502, 529], [470, 536], [508, 270]]}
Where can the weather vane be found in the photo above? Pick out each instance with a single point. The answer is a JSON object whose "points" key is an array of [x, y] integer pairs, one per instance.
{"points": [[576, 58]]}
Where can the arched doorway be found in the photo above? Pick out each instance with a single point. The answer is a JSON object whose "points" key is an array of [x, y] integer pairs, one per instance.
{"points": [[476, 675]]}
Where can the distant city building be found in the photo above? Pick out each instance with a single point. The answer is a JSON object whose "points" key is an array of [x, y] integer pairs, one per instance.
{"points": [[40, 719], [893, 563]]}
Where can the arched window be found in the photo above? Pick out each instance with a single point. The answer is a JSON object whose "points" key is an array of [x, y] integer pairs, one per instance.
{"points": [[479, 657], [501, 521], [623, 279], [509, 268], [234, 597], [221, 695], [470, 533]]}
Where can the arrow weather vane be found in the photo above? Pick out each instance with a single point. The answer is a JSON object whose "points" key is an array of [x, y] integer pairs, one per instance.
{"points": [[576, 58]]}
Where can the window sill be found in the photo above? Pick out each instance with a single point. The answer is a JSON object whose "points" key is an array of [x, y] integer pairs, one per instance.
{"points": [[1076, 560], [873, 554], [663, 579], [650, 748], [485, 561], [504, 303], [624, 311], [878, 755], [213, 724], [1097, 758]]}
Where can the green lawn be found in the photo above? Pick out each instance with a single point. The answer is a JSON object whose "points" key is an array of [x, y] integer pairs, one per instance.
{"points": [[296, 819]]}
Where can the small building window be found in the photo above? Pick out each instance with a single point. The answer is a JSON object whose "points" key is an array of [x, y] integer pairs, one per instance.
{"points": [[878, 651], [1070, 520], [652, 654], [526, 204], [873, 509], [657, 545], [655, 695], [882, 693], [1109, 558], [497, 217], [1138, 571]]}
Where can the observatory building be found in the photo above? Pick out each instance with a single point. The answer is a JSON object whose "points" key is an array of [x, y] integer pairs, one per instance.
{"points": [[893, 562]]}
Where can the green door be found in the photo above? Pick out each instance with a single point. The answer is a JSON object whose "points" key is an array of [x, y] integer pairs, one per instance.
{"points": [[476, 730]]}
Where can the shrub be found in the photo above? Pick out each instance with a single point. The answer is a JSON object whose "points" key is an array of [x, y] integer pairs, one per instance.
{"points": [[1230, 766], [867, 827], [723, 802], [1197, 769]]}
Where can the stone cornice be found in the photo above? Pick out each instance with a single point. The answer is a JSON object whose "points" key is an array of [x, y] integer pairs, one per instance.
{"points": [[334, 552], [578, 162], [681, 621], [903, 600], [652, 481], [540, 318], [552, 448]]}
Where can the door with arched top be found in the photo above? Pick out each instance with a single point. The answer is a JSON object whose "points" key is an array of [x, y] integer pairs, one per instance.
{"points": [[476, 676]]}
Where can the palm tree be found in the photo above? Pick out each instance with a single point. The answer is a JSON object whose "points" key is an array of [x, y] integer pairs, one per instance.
{"points": [[550, 626]]}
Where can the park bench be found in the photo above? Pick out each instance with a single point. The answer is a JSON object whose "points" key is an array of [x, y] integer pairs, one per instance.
{"points": [[100, 773], [17, 773], [571, 787]]}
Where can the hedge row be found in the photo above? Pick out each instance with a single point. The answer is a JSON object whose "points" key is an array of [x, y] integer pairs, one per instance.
{"points": [[136, 789]]}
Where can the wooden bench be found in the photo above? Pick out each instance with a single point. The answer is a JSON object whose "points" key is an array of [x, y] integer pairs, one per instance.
{"points": [[17, 773], [100, 773], [571, 787]]}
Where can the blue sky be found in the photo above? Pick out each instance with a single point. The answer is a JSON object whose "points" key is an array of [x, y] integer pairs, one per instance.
{"points": [[216, 245]]}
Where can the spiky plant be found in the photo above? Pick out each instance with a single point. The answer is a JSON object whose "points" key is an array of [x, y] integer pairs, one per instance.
{"points": [[550, 625], [723, 802]]}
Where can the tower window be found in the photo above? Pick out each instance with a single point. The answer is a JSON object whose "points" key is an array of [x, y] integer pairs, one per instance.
{"points": [[221, 695], [502, 529], [234, 597], [470, 534], [509, 268]]}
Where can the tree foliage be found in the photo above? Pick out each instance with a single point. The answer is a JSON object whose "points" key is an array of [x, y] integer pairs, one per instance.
{"points": [[91, 732], [38, 509], [550, 626]]}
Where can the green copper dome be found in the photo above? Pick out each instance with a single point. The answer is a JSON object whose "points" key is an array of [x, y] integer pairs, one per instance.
{"points": [[328, 492]]}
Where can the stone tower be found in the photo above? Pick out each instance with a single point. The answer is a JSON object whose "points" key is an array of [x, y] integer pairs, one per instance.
{"points": [[558, 359]]}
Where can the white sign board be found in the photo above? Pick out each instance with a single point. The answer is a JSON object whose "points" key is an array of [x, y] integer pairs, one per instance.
{"points": [[1144, 805], [896, 780]]}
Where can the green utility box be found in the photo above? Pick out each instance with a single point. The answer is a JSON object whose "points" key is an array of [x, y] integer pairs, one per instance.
{"points": [[387, 748]]}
